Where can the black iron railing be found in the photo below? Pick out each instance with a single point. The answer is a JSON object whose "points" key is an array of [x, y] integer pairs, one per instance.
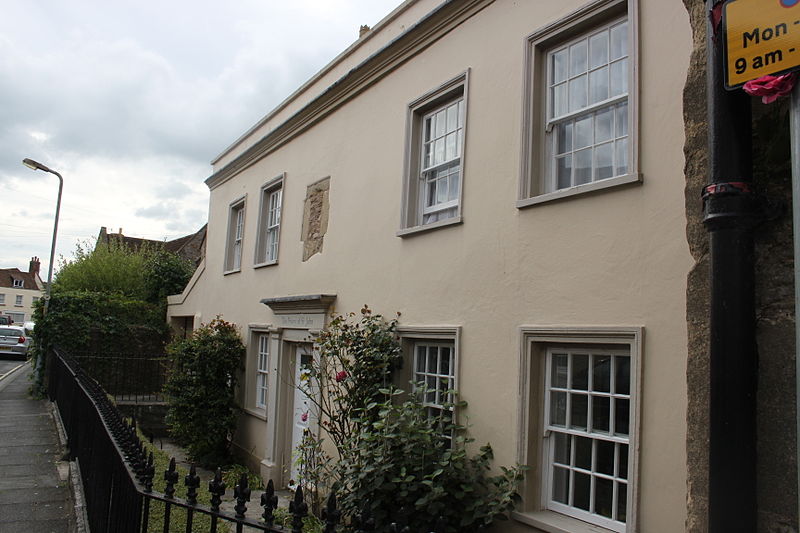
{"points": [[128, 378], [118, 474]]}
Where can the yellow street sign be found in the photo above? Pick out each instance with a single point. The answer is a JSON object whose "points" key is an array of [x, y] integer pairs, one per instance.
{"points": [[761, 37]]}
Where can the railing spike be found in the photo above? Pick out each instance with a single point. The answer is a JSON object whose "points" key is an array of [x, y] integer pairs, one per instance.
{"points": [[269, 501], [217, 489], [331, 514], [298, 509], [171, 477], [150, 472], [242, 494], [192, 482]]}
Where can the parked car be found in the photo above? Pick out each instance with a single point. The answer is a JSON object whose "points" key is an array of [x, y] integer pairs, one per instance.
{"points": [[14, 342], [6, 320]]}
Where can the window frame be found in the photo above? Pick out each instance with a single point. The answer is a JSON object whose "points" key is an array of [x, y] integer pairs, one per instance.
{"points": [[17, 283], [533, 446], [2, 298], [235, 235], [262, 256], [534, 165], [18, 300], [413, 207]]}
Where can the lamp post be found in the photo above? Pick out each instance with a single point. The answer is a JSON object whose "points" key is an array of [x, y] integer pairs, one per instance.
{"points": [[30, 163]]}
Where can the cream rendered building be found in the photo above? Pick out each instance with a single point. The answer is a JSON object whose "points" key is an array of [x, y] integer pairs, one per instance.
{"points": [[508, 175]]}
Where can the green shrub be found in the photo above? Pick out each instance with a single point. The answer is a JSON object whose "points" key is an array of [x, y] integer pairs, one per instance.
{"points": [[165, 273], [393, 456], [200, 388]]}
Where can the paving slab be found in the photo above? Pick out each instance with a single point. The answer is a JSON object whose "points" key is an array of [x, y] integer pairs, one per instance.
{"points": [[34, 494]]}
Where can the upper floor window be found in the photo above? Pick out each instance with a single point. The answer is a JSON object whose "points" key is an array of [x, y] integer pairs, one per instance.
{"points": [[587, 119], [580, 106], [17, 283], [18, 300], [269, 222], [2, 299], [435, 158], [233, 249]]}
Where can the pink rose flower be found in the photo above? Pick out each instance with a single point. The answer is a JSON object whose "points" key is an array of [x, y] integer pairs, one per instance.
{"points": [[304, 417], [340, 376], [770, 88]]}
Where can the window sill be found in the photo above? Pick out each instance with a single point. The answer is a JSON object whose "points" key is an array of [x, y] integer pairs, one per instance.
{"points": [[266, 264], [552, 522], [226, 272], [579, 190], [405, 232], [258, 413]]}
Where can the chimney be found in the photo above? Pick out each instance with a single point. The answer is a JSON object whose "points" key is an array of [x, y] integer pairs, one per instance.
{"points": [[33, 266], [363, 30]]}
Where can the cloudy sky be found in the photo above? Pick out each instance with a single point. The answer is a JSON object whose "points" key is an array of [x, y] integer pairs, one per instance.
{"points": [[130, 100]]}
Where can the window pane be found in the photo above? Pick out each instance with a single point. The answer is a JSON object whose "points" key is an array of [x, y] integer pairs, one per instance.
{"points": [[452, 117], [561, 485], [558, 409], [428, 129], [578, 57], [604, 460], [598, 49], [433, 359], [622, 156], [453, 187], [622, 120], [577, 93], [451, 147], [583, 166], [604, 497], [622, 375], [619, 78], [622, 502], [563, 137], [564, 172], [622, 471], [580, 372], [578, 410], [460, 113], [431, 200], [601, 418], [621, 416], [441, 191], [440, 123], [583, 132], [558, 371], [560, 59], [604, 161], [438, 150], [427, 158], [601, 373], [583, 453], [421, 358], [598, 85], [619, 41], [561, 448], [604, 125], [582, 491], [559, 100]]}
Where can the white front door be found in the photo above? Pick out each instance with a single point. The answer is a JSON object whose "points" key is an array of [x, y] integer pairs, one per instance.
{"points": [[302, 408]]}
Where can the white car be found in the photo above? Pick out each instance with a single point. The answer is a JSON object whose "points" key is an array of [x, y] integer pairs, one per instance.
{"points": [[14, 342]]}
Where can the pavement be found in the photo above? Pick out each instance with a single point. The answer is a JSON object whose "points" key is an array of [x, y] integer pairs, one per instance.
{"points": [[35, 495]]}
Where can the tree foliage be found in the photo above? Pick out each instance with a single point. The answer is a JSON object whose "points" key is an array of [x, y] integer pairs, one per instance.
{"points": [[201, 390]]}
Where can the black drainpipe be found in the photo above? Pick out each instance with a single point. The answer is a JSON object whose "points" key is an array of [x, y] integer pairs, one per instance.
{"points": [[730, 216]]}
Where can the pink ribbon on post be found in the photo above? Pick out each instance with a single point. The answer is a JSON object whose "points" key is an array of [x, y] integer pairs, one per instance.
{"points": [[770, 88]]}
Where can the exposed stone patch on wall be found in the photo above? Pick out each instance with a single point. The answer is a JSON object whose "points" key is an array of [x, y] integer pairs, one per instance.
{"points": [[315, 217], [777, 468]]}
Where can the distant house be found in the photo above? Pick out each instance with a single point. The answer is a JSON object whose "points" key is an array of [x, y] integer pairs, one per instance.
{"points": [[20, 290], [191, 247]]}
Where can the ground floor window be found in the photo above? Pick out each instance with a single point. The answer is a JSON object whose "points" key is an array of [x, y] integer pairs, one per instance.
{"points": [[578, 423], [262, 371], [434, 365]]}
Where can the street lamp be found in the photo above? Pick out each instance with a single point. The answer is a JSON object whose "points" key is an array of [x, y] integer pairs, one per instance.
{"points": [[30, 163]]}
